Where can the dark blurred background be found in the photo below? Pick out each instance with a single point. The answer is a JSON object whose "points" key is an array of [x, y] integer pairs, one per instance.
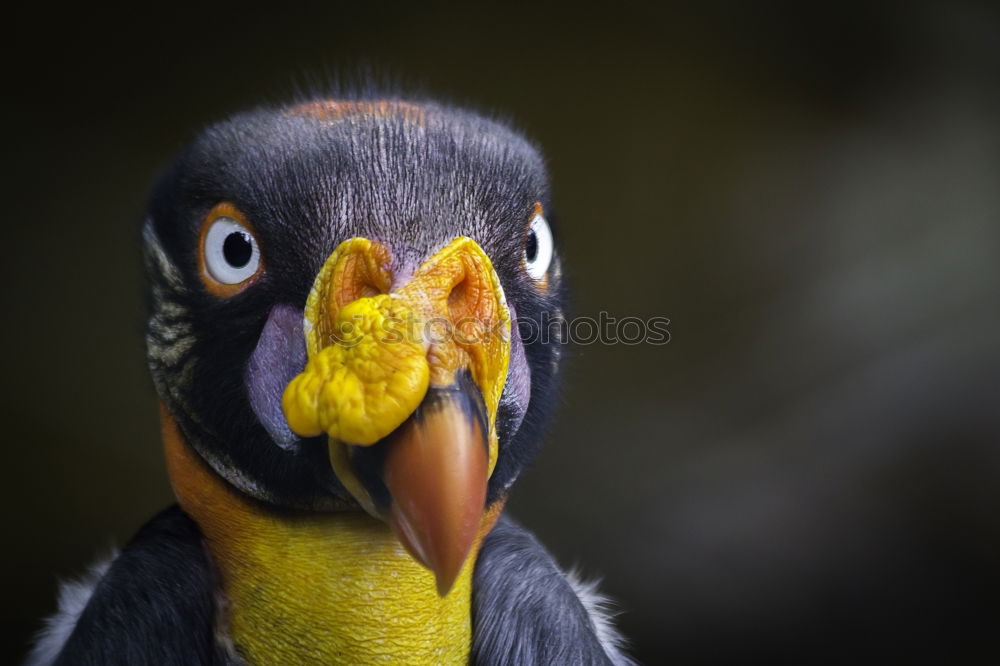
{"points": [[807, 473]]}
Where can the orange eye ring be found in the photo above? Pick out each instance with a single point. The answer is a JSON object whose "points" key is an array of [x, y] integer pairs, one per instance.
{"points": [[223, 281]]}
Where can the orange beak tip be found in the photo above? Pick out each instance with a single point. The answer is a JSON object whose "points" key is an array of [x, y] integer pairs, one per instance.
{"points": [[444, 552]]}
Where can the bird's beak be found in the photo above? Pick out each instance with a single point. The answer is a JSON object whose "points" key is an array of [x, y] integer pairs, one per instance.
{"points": [[407, 382]]}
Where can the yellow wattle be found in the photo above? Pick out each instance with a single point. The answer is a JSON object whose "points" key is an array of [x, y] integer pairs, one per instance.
{"points": [[365, 385]]}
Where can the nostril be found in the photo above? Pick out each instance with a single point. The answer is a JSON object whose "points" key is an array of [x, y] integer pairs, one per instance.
{"points": [[352, 291], [468, 308], [462, 300], [456, 299], [358, 278]]}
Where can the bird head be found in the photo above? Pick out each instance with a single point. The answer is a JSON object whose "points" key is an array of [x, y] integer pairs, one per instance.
{"points": [[352, 304]]}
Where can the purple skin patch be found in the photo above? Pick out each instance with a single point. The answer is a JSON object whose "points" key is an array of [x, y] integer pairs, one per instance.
{"points": [[517, 389], [280, 356]]}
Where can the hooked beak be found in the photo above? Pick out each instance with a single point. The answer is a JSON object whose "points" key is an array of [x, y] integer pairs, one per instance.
{"points": [[406, 385], [436, 473]]}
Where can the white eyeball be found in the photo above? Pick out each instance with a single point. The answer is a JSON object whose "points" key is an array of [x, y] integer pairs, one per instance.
{"points": [[538, 248], [231, 252]]}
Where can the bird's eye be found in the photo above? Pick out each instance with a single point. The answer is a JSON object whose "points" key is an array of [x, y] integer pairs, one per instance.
{"points": [[538, 246], [230, 256]]}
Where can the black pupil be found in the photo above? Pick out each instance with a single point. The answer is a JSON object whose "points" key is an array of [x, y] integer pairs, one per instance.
{"points": [[237, 249], [531, 247]]}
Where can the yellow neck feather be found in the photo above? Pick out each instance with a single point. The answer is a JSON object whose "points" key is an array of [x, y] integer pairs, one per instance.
{"points": [[319, 587]]}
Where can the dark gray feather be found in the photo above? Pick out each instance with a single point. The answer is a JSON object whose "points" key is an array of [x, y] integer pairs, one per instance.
{"points": [[526, 611]]}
